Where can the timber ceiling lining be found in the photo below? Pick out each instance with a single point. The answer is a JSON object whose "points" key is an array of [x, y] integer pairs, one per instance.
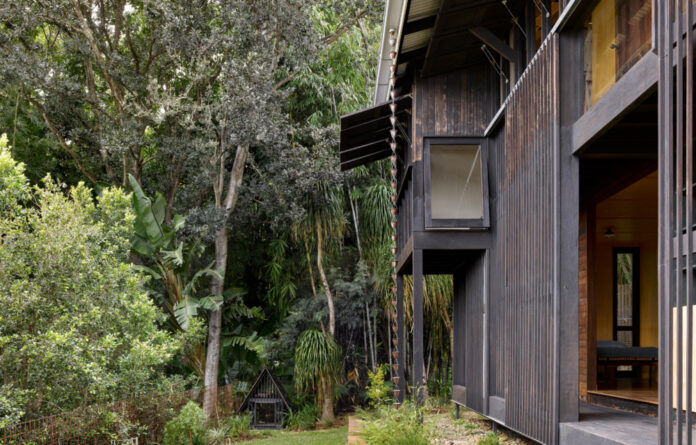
{"points": [[453, 46], [437, 35]]}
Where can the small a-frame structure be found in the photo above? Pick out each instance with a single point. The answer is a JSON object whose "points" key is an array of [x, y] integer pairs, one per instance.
{"points": [[267, 401]]}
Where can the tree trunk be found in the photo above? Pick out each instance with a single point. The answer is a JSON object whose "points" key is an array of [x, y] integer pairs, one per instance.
{"points": [[356, 224], [214, 327], [309, 264], [217, 286], [327, 412], [369, 332], [325, 282]]}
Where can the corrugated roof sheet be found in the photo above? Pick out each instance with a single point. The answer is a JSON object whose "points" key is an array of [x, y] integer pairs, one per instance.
{"points": [[422, 8], [416, 40]]}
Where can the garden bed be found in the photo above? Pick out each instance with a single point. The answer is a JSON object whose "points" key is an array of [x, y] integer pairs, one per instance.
{"points": [[470, 428], [443, 428]]}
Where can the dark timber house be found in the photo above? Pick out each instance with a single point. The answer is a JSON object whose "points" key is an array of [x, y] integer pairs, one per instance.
{"points": [[545, 160]]}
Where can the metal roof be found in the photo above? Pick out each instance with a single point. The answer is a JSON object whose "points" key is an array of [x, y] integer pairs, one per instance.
{"points": [[419, 9], [418, 39]]}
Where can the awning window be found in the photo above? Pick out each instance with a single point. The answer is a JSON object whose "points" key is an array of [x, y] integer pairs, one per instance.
{"points": [[365, 134]]}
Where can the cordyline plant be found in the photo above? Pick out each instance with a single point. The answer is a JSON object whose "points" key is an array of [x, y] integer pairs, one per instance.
{"points": [[318, 369]]}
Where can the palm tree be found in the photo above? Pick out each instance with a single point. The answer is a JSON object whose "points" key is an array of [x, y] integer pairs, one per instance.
{"points": [[317, 368]]}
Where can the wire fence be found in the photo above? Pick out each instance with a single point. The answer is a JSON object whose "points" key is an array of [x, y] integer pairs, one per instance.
{"points": [[136, 420]]}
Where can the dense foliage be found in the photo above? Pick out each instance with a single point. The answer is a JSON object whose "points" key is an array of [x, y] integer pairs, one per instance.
{"points": [[77, 325], [187, 428], [396, 426], [207, 133]]}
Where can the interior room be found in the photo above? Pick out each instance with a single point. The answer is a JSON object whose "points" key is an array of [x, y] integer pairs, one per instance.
{"points": [[618, 236], [625, 294]]}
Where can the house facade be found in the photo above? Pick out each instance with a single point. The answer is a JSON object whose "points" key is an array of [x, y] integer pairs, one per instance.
{"points": [[543, 157]]}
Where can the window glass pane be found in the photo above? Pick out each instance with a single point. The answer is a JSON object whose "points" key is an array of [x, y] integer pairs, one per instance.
{"points": [[619, 33], [456, 190], [624, 297]]}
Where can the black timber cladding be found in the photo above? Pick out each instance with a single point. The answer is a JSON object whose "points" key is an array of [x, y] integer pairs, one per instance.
{"points": [[522, 262], [473, 322], [526, 247], [456, 104], [676, 220], [498, 329]]}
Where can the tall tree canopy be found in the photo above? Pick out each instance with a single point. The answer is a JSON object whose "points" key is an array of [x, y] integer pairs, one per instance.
{"points": [[229, 109]]}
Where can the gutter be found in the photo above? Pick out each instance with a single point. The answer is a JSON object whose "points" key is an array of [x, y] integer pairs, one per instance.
{"points": [[394, 18]]}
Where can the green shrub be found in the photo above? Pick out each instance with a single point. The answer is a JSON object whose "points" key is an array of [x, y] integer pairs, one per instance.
{"points": [[216, 436], [490, 439], [378, 391], [238, 426], [231, 428], [304, 418], [188, 428], [396, 426]]}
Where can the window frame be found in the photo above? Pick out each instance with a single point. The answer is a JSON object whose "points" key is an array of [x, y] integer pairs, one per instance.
{"points": [[635, 297], [460, 224]]}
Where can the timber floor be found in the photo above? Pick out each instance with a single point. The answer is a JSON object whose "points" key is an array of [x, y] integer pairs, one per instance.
{"points": [[629, 388], [643, 395]]}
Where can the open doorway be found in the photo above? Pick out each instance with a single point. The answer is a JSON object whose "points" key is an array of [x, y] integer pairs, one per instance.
{"points": [[620, 295]]}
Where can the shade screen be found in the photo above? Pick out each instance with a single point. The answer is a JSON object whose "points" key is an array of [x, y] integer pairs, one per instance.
{"points": [[456, 190]]}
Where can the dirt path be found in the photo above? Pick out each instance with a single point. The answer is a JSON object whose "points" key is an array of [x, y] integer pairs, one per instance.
{"points": [[470, 428]]}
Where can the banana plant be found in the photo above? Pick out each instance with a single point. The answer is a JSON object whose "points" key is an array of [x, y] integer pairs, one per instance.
{"points": [[171, 263]]}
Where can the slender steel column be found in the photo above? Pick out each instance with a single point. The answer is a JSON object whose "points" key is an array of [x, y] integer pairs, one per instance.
{"points": [[689, 147], [400, 339], [418, 377]]}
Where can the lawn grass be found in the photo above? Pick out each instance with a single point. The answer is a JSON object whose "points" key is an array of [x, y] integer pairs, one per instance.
{"points": [[334, 436]]}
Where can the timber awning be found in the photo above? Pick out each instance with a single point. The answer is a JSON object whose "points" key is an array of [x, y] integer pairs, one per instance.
{"points": [[365, 134]]}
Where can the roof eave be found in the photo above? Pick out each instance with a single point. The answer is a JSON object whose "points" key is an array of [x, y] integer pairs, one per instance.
{"points": [[394, 18]]}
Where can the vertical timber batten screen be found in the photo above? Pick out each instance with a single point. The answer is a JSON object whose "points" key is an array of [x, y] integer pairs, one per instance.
{"points": [[673, 18], [528, 207]]}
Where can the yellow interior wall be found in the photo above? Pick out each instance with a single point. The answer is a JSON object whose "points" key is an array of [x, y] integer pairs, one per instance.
{"points": [[603, 56], [632, 216]]}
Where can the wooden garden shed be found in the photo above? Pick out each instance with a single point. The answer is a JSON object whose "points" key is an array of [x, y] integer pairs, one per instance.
{"points": [[267, 402]]}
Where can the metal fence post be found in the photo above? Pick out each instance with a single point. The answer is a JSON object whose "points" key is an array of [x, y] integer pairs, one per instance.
{"points": [[52, 430]]}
